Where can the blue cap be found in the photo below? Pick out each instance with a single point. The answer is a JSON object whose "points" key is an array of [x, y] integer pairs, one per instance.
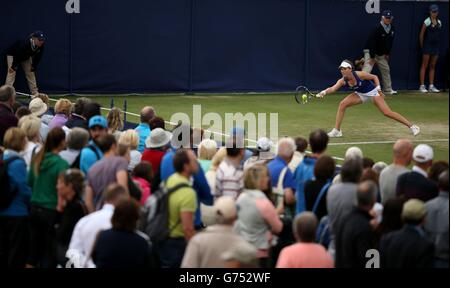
{"points": [[98, 121], [434, 8], [39, 35], [387, 14]]}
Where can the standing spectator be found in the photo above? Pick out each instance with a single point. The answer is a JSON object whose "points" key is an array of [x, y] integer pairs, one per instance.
{"points": [[76, 117], [90, 110], [351, 153], [91, 154], [70, 187], [121, 246], [182, 207], [305, 253], [39, 108], [206, 151], [7, 117], [242, 255], [402, 151], [262, 155], [367, 162], [379, 166], [437, 222], [318, 140], [215, 162], [43, 177], [316, 190], [143, 129], [115, 122], [143, 175], [157, 122], [257, 217], [31, 125], [415, 184], [110, 169], [429, 43], [378, 49], [436, 170], [87, 229], [203, 251], [408, 247], [301, 144], [229, 175], [28, 53], [14, 218], [282, 179], [76, 140], [62, 112], [355, 236], [130, 138], [391, 219], [157, 145]]}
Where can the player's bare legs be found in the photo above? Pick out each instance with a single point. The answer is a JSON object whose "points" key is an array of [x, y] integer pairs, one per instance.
{"points": [[384, 108], [351, 100]]}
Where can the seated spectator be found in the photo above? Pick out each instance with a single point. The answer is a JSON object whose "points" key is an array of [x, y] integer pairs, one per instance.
{"points": [[257, 217], [391, 219], [316, 190], [351, 153], [415, 184], [76, 140], [115, 122], [22, 111], [143, 175], [437, 222], [14, 218], [379, 166], [402, 151], [229, 175], [408, 247], [44, 97], [70, 187], [282, 179], [110, 169], [301, 144], [203, 250], [370, 174], [63, 107], [76, 118], [87, 229], [242, 255], [157, 145], [367, 162], [7, 117], [305, 253], [436, 170], [121, 246], [206, 151], [31, 125], [143, 129], [215, 162], [92, 153], [355, 236], [182, 207], [318, 140], [38, 108], [157, 122], [42, 177], [131, 139], [262, 155]]}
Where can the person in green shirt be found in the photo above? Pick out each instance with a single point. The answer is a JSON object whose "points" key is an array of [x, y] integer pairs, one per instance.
{"points": [[43, 175]]}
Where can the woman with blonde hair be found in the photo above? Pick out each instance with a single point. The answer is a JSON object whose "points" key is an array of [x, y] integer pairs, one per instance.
{"points": [[31, 125], [115, 122], [257, 217], [206, 151], [63, 108], [215, 162], [130, 138]]}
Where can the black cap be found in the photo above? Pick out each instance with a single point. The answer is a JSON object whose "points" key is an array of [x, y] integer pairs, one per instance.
{"points": [[39, 35], [387, 14]]}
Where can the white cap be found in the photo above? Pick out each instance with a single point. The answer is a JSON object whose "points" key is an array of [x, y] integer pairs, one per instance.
{"points": [[225, 207], [345, 64], [353, 152], [263, 144], [423, 153]]}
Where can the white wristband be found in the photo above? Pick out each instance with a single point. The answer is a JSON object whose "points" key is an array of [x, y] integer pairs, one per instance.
{"points": [[378, 87]]}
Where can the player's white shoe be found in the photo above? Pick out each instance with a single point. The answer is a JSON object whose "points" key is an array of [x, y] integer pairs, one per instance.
{"points": [[433, 89], [335, 133], [423, 89], [390, 92], [415, 130]]}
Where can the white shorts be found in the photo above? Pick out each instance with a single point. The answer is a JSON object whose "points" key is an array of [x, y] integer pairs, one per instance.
{"points": [[368, 96]]}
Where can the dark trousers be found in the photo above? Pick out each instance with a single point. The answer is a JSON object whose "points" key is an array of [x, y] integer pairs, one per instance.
{"points": [[170, 252], [13, 241], [42, 237]]}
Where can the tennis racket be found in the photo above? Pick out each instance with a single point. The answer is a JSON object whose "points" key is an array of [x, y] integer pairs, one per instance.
{"points": [[303, 95]]}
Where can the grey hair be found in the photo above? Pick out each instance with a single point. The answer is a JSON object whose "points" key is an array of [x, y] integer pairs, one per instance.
{"points": [[286, 147], [6, 93], [304, 226], [77, 138]]}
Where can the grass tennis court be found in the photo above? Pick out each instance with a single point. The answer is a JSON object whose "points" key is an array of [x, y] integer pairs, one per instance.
{"points": [[363, 123]]}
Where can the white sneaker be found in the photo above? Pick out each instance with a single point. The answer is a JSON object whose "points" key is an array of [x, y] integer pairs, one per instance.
{"points": [[423, 89], [433, 89], [415, 130], [390, 92], [335, 133]]}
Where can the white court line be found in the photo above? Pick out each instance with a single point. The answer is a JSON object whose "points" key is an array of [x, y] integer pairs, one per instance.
{"points": [[385, 142]]}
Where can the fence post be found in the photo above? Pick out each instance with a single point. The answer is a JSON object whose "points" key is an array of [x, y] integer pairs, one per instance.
{"points": [[124, 110]]}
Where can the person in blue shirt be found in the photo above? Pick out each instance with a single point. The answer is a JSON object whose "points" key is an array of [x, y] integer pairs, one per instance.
{"points": [[98, 127], [143, 129], [365, 87]]}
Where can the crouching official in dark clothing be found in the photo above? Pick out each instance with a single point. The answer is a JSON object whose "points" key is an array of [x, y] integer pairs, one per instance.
{"points": [[28, 54]]}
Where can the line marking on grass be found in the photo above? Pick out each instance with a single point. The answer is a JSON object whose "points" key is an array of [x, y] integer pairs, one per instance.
{"points": [[385, 142]]}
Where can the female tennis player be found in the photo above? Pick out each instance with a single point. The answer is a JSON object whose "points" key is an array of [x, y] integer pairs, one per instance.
{"points": [[366, 88]]}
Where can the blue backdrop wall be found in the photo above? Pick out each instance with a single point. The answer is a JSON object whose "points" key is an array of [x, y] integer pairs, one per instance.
{"points": [[137, 46]]}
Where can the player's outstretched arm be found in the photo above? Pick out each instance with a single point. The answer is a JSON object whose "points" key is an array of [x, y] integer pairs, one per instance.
{"points": [[331, 89]]}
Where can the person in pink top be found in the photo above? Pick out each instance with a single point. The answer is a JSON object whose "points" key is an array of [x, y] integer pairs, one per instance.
{"points": [[305, 253], [143, 175]]}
